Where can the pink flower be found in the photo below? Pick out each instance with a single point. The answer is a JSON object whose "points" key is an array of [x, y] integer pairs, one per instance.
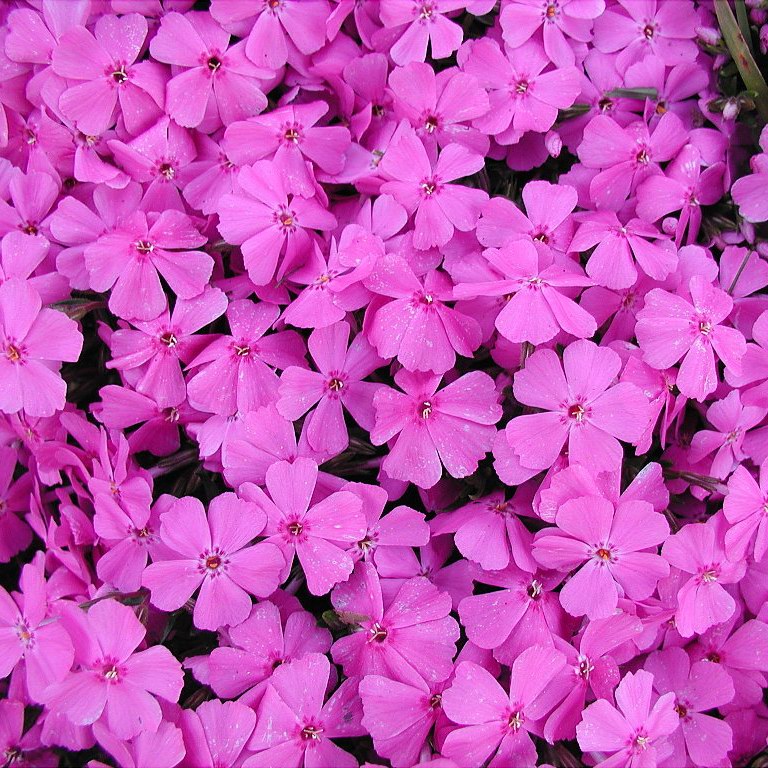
{"points": [[114, 685], [318, 534], [164, 747], [105, 65], [670, 328], [290, 137], [215, 77], [611, 543], [698, 549], [705, 740], [748, 193], [417, 314], [259, 646], [33, 641], [399, 716], [426, 24], [216, 733], [620, 247], [492, 722], [294, 700], [626, 156], [130, 259], [422, 185], [279, 28], [338, 383], [635, 733], [535, 310], [33, 344], [213, 555], [232, 373], [15, 534], [452, 427], [411, 638], [582, 408], [744, 508], [272, 225]]}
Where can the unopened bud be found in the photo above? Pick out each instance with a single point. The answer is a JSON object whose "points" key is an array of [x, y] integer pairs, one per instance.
{"points": [[708, 35], [731, 109], [553, 143], [669, 225]]}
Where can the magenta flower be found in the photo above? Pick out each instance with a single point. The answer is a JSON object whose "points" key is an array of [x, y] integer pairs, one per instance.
{"points": [[32, 640], [214, 77], [272, 226], [114, 685], [163, 747], [452, 427], [213, 554], [338, 383], [33, 344], [423, 187], [744, 508], [702, 739], [670, 327], [259, 646], [399, 716], [425, 24], [290, 137], [418, 313], [318, 534], [233, 373], [130, 260], [611, 545], [698, 550], [583, 408], [410, 639], [492, 722], [627, 156], [535, 310], [635, 733], [216, 733], [294, 699], [621, 248], [158, 347], [747, 192], [276, 29], [15, 534], [105, 65]]}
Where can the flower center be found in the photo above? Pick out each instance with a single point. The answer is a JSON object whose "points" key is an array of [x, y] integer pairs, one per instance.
{"points": [[111, 673], [436, 701], [426, 11], [705, 327], [144, 246], [13, 353], [119, 75], [167, 171], [661, 108], [377, 633], [515, 721], [30, 228], [551, 11], [311, 733], [292, 135], [681, 710], [242, 351], [649, 30], [335, 385], [214, 63], [710, 575], [605, 104], [642, 742], [604, 554], [521, 86], [169, 339], [429, 187], [378, 110], [295, 528], [171, 415], [212, 562], [23, 631], [642, 157], [534, 589], [714, 657], [11, 755], [576, 412], [584, 667], [425, 409], [430, 124]]}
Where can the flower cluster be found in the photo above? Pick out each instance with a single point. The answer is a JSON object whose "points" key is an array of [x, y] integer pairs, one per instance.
{"points": [[383, 382]]}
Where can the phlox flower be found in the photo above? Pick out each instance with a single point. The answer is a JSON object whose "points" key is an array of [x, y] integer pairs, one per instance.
{"points": [[275, 29], [103, 65], [698, 687], [338, 382], [272, 225], [216, 733], [748, 191], [744, 508], [15, 534], [423, 186], [114, 685], [451, 427], [611, 545], [234, 372], [670, 327], [33, 641], [583, 408], [294, 727], [698, 550], [130, 260], [33, 343], [417, 326], [260, 645], [29, 210], [412, 637], [318, 534], [635, 732], [494, 722], [215, 77], [213, 554], [535, 310], [163, 747], [426, 23]]}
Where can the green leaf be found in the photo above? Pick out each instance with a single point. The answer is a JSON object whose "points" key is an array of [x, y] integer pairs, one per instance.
{"points": [[737, 45]]}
